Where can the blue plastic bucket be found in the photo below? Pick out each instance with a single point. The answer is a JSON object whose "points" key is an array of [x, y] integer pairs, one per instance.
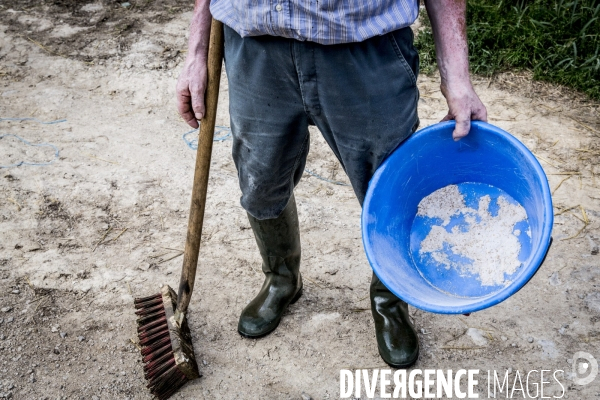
{"points": [[489, 161]]}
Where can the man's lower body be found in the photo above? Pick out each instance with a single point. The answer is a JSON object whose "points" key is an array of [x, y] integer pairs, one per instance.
{"points": [[363, 98]]}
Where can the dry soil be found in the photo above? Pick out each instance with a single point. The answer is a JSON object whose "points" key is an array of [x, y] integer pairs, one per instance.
{"points": [[106, 221]]}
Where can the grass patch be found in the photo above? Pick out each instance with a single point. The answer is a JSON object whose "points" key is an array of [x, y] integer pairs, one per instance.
{"points": [[559, 41]]}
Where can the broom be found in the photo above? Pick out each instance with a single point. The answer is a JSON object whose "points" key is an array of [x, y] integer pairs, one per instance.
{"points": [[168, 354]]}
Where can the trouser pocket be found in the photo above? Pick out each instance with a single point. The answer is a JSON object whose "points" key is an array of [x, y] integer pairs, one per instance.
{"points": [[402, 43]]}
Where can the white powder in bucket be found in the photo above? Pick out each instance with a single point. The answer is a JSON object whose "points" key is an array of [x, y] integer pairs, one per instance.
{"points": [[489, 242]]}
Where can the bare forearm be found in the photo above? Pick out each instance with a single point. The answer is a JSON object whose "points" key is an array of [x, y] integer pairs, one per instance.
{"points": [[448, 21], [200, 30], [192, 80]]}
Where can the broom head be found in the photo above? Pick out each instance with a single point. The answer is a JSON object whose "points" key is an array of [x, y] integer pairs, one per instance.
{"points": [[167, 351]]}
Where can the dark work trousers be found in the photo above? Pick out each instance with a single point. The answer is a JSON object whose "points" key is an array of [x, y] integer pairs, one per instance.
{"points": [[362, 96]]}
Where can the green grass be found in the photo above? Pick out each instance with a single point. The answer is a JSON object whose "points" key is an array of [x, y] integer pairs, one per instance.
{"points": [[559, 41]]}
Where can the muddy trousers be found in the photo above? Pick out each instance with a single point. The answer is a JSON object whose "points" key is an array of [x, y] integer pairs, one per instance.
{"points": [[362, 97]]}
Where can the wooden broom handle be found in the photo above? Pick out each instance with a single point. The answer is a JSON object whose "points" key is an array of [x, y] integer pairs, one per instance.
{"points": [[205, 143]]}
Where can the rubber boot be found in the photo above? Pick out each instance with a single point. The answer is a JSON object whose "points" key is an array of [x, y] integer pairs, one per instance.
{"points": [[278, 240], [397, 339]]}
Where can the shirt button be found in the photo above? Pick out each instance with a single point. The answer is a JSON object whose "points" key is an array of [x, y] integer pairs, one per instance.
{"points": [[278, 7]]}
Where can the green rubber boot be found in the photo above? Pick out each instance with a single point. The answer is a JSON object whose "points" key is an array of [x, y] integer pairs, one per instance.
{"points": [[278, 240], [397, 339]]}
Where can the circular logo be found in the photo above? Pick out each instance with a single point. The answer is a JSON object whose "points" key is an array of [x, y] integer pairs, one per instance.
{"points": [[585, 368]]}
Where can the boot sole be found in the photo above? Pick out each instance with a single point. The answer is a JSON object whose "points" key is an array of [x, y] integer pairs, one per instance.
{"points": [[295, 299], [400, 366]]}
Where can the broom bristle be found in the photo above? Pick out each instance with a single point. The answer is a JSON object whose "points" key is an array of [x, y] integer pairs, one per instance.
{"points": [[160, 369]]}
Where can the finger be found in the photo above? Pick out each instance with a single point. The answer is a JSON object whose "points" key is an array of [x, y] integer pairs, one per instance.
{"points": [[198, 104], [184, 107], [463, 125], [448, 117], [480, 114], [186, 112]]}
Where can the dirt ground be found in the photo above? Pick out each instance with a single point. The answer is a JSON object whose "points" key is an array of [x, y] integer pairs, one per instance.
{"points": [[79, 238]]}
